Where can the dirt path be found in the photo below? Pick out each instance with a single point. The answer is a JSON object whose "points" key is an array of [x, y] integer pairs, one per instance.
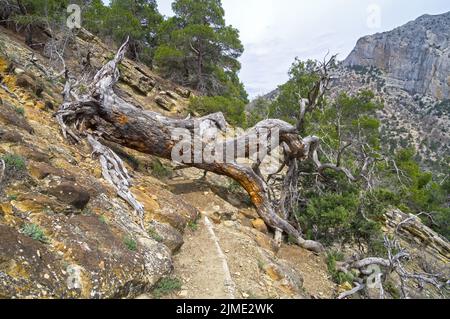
{"points": [[201, 266], [224, 257]]}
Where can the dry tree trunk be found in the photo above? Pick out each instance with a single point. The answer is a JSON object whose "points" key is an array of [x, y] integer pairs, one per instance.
{"points": [[105, 114]]}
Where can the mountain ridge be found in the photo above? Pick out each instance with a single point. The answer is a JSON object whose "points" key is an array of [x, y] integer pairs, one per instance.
{"points": [[416, 54]]}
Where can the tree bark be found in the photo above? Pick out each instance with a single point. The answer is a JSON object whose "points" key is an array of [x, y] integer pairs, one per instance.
{"points": [[105, 114]]}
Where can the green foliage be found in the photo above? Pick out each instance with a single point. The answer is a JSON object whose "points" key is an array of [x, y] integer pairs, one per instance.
{"points": [[35, 232], [20, 110], [232, 108], [260, 110], [193, 225], [234, 187], [331, 214], [302, 78], [154, 234], [137, 19], [418, 193], [14, 162], [130, 243], [103, 219], [37, 12], [196, 48], [337, 276], [166, 286], [392, 290], [261, 264], [159, 170]]}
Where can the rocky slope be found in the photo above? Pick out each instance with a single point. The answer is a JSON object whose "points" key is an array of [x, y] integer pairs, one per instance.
{"points": [[416, 55], [407, 120], [409, 69], [64, 233]]}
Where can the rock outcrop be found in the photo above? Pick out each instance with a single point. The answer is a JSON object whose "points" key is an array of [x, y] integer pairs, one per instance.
{"points": [[64, 233], [417, 55]]}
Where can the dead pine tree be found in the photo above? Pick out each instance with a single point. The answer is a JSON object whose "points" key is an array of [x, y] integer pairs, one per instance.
{"points": [[101, 114]]}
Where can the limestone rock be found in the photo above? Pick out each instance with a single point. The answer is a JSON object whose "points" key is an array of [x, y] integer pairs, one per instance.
{"points": [[10, 116], [71, 194], [260, 225], [41, 170], [166, 234], [415, 54]]}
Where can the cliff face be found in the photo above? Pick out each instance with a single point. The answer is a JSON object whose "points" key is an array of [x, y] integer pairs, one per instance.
{"points": [[416, 54]]}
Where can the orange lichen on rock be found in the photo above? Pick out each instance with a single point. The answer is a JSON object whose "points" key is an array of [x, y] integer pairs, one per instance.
{"points": [[3, 64], [122, 119]]}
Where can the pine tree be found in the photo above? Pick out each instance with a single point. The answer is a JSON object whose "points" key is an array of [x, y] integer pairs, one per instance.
{"points": [[197, 48]]}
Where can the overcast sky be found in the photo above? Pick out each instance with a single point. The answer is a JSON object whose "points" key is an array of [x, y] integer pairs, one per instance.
{"points": [[274, 32]]}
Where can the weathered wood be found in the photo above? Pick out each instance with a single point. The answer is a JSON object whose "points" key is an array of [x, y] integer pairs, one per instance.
{"points": [[115, 173], [103, 112], [2, 169]]}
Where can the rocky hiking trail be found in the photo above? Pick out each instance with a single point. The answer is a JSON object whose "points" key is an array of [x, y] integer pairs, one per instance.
{"points": [[225, 256], [100, 243]]}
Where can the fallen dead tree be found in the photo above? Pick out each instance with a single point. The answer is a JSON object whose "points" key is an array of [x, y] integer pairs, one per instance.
{"points": [[101, 113], [379, 269]]}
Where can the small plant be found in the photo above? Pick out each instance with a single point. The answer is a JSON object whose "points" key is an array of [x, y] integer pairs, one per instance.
{"points": [[103, 219], [20, 110], [193, 225], [12, 197], [234, 187], [337, 276], [166, 286], [14, 162], [82, 89], [110, 56], [153, 234], [35, 232], [130, 243], [261, 264], [159, 170]]}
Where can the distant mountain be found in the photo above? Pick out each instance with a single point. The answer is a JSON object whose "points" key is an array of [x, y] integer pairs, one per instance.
{"points": [[409, 68], [416, 54]]}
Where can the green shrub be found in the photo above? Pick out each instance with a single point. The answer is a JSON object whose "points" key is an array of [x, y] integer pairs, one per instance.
{"points": [[232, 108], [154, 234], [331, 215], [159, 170], [337, 276], [130, 243], [234, 187], [193, 225], [392, 290], [166, 286], [35, 232], [14, 162], [20, 110]]}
